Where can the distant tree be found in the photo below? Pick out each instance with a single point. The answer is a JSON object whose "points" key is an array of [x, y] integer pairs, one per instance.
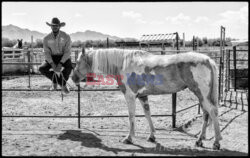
{"points": [[39, 43], [204, 39], [77, 43], [199, 42], [8, 43], [89, 43]]}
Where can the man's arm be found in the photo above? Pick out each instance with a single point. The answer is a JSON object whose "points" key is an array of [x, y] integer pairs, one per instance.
{"points": [[66, 50], [47, 52]]}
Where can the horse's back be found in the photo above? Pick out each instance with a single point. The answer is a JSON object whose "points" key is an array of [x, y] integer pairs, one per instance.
{"points": [[166, 60]]}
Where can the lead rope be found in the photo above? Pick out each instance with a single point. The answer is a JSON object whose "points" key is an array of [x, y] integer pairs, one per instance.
{"points": [[54, 76]]}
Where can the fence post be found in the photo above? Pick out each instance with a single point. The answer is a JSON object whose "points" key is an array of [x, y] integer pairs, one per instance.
{"points": [[219, 96], [28, 53], [177, 42], [163, 49], [229, 76], [76, 55], [194, 43], [174, 95], [173, 110], [234, 55], [79, 107], [107, 42]]}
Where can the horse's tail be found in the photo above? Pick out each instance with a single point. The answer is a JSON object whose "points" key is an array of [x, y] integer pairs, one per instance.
{"points": [[214, 90]]}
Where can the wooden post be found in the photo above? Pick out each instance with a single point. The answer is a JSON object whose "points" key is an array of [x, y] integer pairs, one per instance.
{"points": [[234, 55]]}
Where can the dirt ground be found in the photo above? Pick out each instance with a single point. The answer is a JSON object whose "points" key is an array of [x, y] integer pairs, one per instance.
{"points": [[23, 136]]}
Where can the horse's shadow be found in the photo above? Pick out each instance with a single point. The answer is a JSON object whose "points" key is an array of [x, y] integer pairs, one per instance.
{"points": [[91, 140]]}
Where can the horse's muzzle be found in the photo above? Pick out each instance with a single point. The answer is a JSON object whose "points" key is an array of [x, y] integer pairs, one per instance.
{"points": [[75, 78]]}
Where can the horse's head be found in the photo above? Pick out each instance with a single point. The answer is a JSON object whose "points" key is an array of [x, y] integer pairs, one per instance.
{"points": [[82, 68], [19, 43]]}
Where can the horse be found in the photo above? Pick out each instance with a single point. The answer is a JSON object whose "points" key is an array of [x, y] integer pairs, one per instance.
{"points": [[142, 74], [18, 45]]}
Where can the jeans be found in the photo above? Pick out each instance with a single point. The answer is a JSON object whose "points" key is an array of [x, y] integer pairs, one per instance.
{"points": [[44, 69]]}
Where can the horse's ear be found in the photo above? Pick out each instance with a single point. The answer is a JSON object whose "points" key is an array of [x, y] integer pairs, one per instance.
{"points": [[83, 51]]}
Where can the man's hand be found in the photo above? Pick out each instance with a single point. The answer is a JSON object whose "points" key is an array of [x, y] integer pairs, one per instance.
{"points": [[53, 65], [58, 68]]}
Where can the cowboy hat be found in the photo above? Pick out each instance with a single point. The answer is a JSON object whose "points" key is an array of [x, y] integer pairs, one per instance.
{"points": [[56, 21]]}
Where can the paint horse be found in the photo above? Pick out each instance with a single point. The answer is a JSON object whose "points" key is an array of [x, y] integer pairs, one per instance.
{"points": [[144, 74]]}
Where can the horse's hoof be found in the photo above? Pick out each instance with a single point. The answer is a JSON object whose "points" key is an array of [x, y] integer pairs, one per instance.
{"points": [[151, 139], [216, 146], [127, 141], [199, 143]]}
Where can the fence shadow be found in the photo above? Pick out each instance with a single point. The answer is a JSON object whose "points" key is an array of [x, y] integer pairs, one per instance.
{"points": [[91, 140]]}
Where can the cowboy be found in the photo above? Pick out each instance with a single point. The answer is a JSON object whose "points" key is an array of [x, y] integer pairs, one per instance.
{"points": [[57, 50]]}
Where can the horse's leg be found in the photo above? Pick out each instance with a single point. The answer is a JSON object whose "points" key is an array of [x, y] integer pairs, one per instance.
{"points": [[213, 112], [202, 135], [130, 99], [145, 105]]}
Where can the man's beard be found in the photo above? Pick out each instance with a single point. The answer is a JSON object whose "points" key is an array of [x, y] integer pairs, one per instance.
{"points": [[55, 32]]}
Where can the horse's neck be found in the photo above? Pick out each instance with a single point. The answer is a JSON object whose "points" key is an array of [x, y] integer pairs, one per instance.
{"points": [[15, 46]]}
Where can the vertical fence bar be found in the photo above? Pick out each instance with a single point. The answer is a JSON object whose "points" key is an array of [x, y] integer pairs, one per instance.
{"points": [[234, 56], [107, 42], [76, 55], [79, 107], [219, 96], [173, 110], [193, 44], [242, 103], [163, 49], [229, 78], [177, 42], [236, 99], [174, 95], [28, 53]]}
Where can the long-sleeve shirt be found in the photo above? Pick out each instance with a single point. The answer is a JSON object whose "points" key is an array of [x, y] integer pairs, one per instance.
{"points": [[59, 45]]}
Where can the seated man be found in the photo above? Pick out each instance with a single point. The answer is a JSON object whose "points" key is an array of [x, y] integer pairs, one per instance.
{"points": [[57, 50]]}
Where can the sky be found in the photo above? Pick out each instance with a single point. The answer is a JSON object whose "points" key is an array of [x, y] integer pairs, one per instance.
{"points": [[133, 19]]}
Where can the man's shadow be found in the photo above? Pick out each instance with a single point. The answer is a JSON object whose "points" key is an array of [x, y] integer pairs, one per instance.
{"points": [[91, 140]]}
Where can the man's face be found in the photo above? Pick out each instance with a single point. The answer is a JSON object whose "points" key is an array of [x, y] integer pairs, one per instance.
{"points": [[55, 28]]}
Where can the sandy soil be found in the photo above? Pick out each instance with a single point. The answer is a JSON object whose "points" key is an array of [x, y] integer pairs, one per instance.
{"points": [[103, 136]]}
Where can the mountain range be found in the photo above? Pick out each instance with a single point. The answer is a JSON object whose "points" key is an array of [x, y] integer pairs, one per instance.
{"points": [[13, 32]]}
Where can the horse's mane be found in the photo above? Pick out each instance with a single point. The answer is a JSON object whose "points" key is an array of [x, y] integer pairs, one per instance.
{"points": [[111, 61]]}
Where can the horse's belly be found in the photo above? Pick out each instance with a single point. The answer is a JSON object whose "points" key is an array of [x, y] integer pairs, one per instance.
{"points": [[166, 88], [166, 80]]}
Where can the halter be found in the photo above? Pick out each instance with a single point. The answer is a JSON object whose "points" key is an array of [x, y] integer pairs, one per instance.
{"points": [[78, 72]]}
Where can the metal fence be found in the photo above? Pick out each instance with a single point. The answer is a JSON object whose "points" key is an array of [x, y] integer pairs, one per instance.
{"points": [[30, 63]]}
